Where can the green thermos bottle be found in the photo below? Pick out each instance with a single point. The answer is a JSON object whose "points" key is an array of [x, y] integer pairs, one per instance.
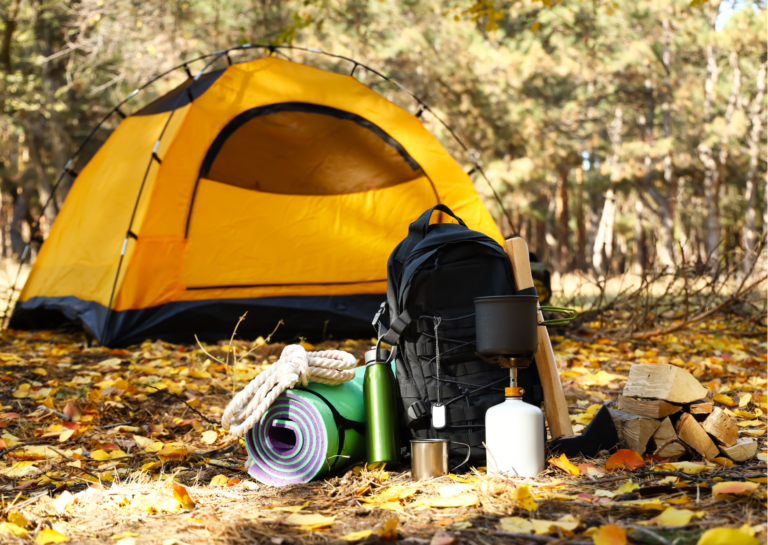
{"points": [[380, 398]]}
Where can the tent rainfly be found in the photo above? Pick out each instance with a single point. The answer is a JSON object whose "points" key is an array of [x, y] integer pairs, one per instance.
{"points": [[275, 188]]}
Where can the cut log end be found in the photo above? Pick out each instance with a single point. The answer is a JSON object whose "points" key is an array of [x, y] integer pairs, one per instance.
{"points": [[665, 382], [691, 432], [744, 449], [634, 431], [720, 426], [651, 408]]}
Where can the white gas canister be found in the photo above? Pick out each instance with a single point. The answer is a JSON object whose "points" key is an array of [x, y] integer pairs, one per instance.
{"points": [[514, 435]]}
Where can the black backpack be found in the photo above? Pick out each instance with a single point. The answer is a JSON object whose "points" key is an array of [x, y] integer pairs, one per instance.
{"points": [[433, 277]]}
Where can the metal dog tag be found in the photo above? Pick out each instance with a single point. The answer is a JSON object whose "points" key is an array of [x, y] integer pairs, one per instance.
{"points": [[438, 416]]}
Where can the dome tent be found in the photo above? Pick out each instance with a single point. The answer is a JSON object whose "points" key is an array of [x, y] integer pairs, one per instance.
{"points": [[269, 186]]}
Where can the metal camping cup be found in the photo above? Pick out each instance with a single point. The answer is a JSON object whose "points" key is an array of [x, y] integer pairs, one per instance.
{"points": [[507, 325], [380, 402], [429, 457]]}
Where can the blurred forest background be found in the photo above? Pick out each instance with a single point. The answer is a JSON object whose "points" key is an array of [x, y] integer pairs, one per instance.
{"points": [[623, 136]]}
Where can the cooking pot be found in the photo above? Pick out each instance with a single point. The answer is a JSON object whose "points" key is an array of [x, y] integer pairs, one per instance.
{"points": [[507, 325]]}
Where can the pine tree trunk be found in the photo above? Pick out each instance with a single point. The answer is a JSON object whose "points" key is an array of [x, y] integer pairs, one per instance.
{"points": [[553, 254], [602, 251], [561, 209], [581, 241], [756, 113], [706, 154], [638, 264], [20, 214]]}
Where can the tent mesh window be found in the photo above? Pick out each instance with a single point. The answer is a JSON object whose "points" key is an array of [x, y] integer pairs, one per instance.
{"points": [[306, 149]]}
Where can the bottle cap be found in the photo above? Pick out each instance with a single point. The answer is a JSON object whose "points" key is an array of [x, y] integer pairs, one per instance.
{"points": [[370, 356], [513, 392]]}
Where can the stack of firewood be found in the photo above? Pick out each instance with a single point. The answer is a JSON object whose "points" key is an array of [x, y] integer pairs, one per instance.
{"points": [[664, 408]]}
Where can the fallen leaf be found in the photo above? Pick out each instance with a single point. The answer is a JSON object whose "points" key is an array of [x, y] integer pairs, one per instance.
{"points": [[172, 451], [565, 464], [64, 500], [219, 480], [453, 489], [625, 459], [688, 468], [525, 499], [725, 400], [517, 524], [673, 517], [388, 532], [47, 535], [627, 487], [100, 455], [610, 534], [10, 529], [544, 527], [18, 519], [210, 437], [121, 535], [727, 536], [182, 496], [744, 400], [726, 489], [310, 522], [395, 493]]}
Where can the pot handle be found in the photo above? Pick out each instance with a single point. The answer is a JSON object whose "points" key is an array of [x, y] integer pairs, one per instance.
{"points": [[571, 312], [469, 452]]}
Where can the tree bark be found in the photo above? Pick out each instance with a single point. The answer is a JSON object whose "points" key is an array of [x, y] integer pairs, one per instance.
{"points": [[706, 154], [581, 240], [756, 114], [20, 214], [550, 234], [561, 212], [639, 244], [603, 248]]}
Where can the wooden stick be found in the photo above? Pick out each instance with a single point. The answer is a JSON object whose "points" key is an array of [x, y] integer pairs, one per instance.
{"points": [[555, 405]]}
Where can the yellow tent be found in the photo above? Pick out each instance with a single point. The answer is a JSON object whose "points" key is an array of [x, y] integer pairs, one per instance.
{"points": [[269, 186]]}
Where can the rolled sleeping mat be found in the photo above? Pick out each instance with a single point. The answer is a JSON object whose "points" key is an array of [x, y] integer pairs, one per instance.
{"points": [[308, 432]]}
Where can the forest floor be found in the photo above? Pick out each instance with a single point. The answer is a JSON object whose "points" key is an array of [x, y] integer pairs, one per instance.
{"points": [[123, 447]]}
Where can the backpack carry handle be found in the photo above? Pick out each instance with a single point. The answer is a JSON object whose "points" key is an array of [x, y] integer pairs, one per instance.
{"points": [[418, 230]]}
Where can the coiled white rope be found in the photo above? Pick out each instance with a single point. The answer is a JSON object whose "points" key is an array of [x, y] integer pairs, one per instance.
{"points": [[295, 366]]}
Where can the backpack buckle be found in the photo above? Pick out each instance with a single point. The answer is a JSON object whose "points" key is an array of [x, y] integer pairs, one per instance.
{"points": [[416, 412]]}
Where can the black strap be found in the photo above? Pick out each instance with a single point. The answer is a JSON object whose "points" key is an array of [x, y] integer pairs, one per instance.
{"points": [[528, 291], [418, 230], [398, 325]]}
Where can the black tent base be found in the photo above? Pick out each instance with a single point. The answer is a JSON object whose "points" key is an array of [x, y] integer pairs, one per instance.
{"points": [[314, 318]]}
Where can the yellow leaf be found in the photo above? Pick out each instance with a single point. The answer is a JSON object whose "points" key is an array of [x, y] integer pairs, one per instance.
{"points": [[535, 26], [544, 527], [744, 400], [673, 517], [525, 499], [517, 524], [745, 414], [11, 529], [291, 508], [18, 519], [357, 536], [688, 468], [565, 464], [22, 392], [727, 536], [64, 500], [610, 534], [389, 531], [124, 534], [725, 400], [172, 451], [20, 469], [100, 455], [310, 522], [210, 437], [47, 535], [219, 480], [627, 487], [182, 496], [171, 505], [40, 371], [395, 493]]}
